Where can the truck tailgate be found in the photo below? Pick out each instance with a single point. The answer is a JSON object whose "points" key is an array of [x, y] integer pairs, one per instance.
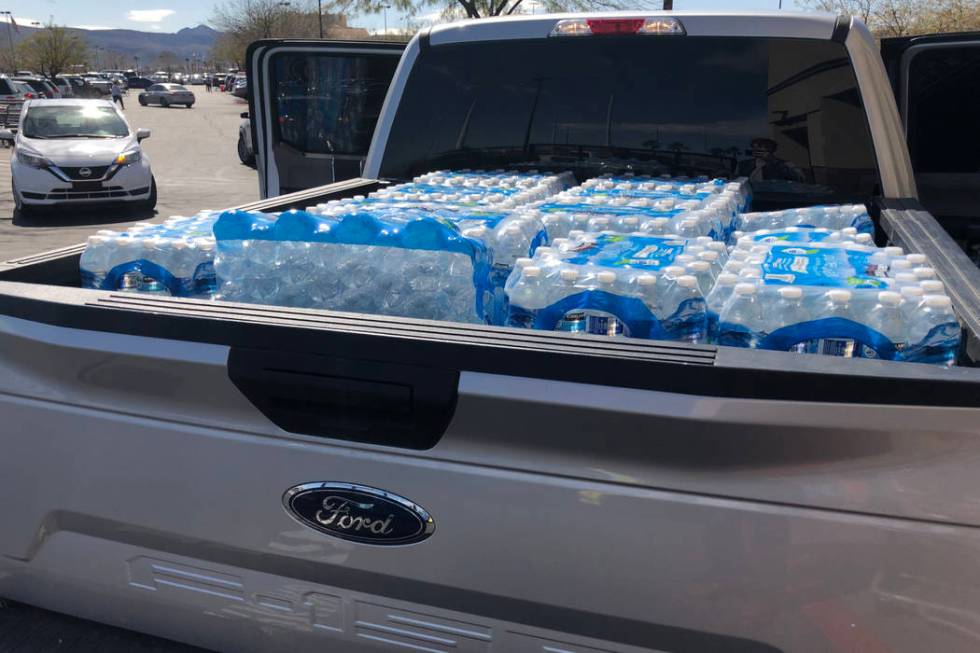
{"points": [[718, 507]]}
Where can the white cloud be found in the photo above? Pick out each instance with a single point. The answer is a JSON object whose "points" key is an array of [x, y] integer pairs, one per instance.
{"points": [[149, 15]]}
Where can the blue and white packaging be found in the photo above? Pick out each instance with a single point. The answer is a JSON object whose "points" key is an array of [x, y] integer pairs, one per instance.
{"points": [[175, 258], [611, 284], [360, 262], [831, 217], [844, 299]]}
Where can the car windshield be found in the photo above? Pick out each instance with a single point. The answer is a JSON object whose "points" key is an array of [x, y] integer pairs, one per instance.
{"points": [[177, 87], [73, 121]]}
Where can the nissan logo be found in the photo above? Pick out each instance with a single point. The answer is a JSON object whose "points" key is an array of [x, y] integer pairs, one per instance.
{"points": [[85, 172]]}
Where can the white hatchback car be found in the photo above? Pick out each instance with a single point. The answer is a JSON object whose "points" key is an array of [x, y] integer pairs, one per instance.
{"points": [[79, 152]]}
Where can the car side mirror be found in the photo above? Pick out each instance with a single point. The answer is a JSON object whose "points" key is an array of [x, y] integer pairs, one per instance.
{"points": [[142, 133], [6, 136], [245, 115]]}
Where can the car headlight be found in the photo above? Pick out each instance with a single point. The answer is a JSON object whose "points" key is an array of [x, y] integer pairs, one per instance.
{"points": [[32, 160], [128, 157]]}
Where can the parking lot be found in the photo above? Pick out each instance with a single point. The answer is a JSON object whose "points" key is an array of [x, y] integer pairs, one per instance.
{"points": [[194, 161]]}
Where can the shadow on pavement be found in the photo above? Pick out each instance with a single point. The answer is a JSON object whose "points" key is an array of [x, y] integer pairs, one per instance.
{"points": [[75, 217]]}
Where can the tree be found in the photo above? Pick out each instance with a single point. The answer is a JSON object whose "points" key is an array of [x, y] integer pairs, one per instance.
{"points": [[905, 17], [244, 21], [52, 50], [487, 8]]}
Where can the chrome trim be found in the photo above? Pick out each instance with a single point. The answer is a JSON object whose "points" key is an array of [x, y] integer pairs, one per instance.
{"points": [[428, 525]]}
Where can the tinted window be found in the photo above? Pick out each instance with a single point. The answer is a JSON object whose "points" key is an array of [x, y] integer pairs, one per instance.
{"points": [[328, 103], [155, 87], [5, 88], [944, 132], [785, 113], [177, 87]]}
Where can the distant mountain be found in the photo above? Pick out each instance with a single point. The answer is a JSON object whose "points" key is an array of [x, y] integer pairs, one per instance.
{"points": [[130, 43]]}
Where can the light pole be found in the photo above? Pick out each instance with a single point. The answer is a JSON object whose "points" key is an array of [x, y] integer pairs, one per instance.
{"points": [[319, 15], [385, 11], [10, 40], [136, 58], [283, 5]]}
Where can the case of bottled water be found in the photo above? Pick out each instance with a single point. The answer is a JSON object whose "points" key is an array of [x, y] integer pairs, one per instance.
{"points": [[832, 217], [501, 189], [841, 299], [173, 258], [658, 207], [632, 285], [421, 267]]}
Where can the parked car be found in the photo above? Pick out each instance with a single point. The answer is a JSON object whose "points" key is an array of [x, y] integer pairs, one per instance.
{"points": [[79, 152], [240, 87], [12, 97], [41, 86], [256, 478], [229, 82], [196, 79], [140, 82], [246, 153], [98, 86], [63, 86], [166, 95]]}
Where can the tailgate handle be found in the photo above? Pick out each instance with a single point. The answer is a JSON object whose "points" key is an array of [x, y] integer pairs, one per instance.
{"points": [[390, 404]]}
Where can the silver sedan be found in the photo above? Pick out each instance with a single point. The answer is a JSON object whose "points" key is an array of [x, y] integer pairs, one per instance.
{"points": [[166, 95]]}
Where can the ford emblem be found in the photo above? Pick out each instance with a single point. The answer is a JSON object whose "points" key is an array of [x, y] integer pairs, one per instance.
{"points": [[85, 172], [358, 513]]}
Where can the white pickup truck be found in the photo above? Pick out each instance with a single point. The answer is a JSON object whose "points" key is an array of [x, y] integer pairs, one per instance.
{"points": [[257, 478]]}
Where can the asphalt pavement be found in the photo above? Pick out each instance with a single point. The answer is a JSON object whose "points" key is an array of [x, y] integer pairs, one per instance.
{"points": [[195, 162]]}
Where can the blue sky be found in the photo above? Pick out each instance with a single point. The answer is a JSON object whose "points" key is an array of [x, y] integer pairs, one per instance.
{"points": [[172, 15]]}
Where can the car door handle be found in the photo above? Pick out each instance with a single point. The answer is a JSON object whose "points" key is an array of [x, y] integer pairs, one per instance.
{"points": [[374, 402]]}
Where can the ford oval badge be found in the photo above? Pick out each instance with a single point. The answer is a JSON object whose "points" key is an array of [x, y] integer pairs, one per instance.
{"points": [[359, 513]]}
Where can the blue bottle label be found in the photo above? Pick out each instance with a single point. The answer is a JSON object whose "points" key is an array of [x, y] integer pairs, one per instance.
{"points": [[829, 267], [620, 251]]}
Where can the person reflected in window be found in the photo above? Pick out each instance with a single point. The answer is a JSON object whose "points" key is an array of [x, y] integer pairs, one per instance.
{"points": [[766, 166]]}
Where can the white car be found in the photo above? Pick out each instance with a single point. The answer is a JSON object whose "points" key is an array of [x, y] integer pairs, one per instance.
{"points": [[78, 152]]}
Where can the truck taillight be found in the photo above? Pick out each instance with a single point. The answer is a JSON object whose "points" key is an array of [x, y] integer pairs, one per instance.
{"points": [[614, 26]]}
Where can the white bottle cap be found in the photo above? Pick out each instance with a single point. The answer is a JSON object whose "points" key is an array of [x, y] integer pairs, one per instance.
{"points": [[606, 277], [717, 246], [906, 278], [699, 266], [674, 270], [687, 281], [575, 233], [734, 266], [849, 231], [912, 292], [790, 292], [750, 273], [932, 286], [709, 256], [727, 279], [557, 243], [938, 301], [889, 298], [924, 273], [759, 249], [864, 239], [522, 261], [916, 259], [839, 296], [704, 240], [745, 289], [646, 279], [568, 275], [900, 264], [683, 259], [532, 271], [894, 251], [544, 251]]}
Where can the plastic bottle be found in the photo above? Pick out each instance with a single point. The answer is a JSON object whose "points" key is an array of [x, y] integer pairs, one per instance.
{"points": [[745, 311], [724, 287], [688, 320], [94, 262], [664, 287], [932, 286], [701, 270], [886, 318], [911, 298], [924, 272], [934, 332], [838, 305]]}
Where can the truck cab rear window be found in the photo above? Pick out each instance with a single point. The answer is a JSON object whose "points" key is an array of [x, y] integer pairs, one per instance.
{"points": [[784, 112]]}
